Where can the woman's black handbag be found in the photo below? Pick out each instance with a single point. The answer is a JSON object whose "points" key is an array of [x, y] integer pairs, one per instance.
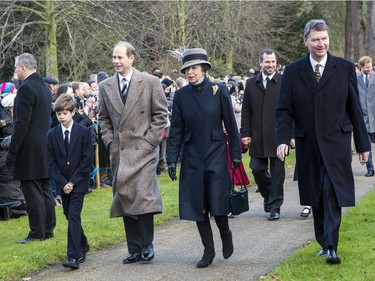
{"points": [[239, 199]]}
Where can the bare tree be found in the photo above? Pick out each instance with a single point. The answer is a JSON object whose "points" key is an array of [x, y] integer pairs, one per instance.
{"points": [[82, 33], [66, 24]]}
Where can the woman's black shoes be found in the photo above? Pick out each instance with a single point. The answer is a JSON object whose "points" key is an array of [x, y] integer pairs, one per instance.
{"points": [[227, 244], [206, 259]]}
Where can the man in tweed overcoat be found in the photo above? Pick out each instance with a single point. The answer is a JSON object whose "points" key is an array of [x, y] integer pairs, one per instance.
{"points": [[132, 116]]}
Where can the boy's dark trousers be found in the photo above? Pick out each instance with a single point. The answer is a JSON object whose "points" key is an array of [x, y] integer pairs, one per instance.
{"points": [[72, 205]]}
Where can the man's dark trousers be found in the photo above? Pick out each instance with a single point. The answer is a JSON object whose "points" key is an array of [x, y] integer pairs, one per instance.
{"points": [[41, 207], [139, 232], [270, 185]]}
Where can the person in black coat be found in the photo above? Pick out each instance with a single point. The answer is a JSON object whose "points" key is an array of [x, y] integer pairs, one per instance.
{"points": [[258, 133], [28, 149], [319, 93], [199, 111]]}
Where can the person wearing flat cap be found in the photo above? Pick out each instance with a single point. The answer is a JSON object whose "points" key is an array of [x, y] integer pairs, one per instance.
{"points": [[199, 111], [53, 85]]}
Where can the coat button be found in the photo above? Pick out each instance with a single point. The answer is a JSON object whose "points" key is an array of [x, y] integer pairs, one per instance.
{"points": [[68, 163]]}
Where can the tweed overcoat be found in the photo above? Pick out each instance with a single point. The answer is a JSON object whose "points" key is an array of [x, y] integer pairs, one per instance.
{"points": [[367, 99], [325, 115], [258, 115], [198, 115], [32, 120], [133, 133]]}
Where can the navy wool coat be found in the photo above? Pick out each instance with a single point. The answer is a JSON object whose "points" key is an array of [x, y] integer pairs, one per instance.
{"points": [[198, 115], [325, 115]]}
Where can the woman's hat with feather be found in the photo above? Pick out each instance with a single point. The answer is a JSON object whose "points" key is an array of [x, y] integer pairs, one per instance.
{"points": [[190, 57]]}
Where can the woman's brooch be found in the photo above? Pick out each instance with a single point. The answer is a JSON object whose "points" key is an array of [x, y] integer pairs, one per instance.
{"points": [[215, 88]]}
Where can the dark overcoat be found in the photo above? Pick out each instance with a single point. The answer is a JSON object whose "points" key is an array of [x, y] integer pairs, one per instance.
{"points": [[258, 115], [75, 167], [325, 114], [133, 133], [32, 120], [199, 113]]}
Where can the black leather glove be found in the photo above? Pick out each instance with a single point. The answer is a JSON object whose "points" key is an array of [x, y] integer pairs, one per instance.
{"points": [[235, 163], [172, 171]]}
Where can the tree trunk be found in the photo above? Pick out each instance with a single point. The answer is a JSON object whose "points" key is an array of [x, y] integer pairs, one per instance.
{"points": [[356, 19], [348, 32], [181, 22], [51, 47], [370, 29]]}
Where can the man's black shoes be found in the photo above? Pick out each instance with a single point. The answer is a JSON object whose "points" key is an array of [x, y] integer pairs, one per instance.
{"points": [[332, 257], [274, 216], [71, 263], [148, 253], [132, 258], [322, 252]]}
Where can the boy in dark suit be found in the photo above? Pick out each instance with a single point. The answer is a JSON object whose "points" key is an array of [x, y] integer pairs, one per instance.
{"points": [[70, 154]]}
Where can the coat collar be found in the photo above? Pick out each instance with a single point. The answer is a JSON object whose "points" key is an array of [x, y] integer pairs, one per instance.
{"points": [[73, 137], [135, 89], [360, 81], [307, 75], [259, 80]]}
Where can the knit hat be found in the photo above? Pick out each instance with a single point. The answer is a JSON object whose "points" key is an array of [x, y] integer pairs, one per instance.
{"points": [[7, 88], [193, 57], [8, 100]]}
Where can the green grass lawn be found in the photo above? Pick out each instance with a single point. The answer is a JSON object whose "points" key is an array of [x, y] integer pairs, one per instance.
{"points": [[17, 261], [356, 250]]}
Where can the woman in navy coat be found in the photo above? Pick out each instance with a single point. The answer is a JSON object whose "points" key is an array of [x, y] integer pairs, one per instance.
{"points": [[200, 109]]}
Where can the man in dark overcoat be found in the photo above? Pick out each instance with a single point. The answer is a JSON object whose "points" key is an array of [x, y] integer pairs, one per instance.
{"points": [[258, 132], [28, 149], [319, 92]]}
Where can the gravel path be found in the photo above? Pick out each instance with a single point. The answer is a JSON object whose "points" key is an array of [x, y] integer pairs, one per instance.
{"points": [[260, 245]]}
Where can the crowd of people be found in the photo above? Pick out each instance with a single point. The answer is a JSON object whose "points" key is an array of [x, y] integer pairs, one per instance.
{"points": [[148, 123]]}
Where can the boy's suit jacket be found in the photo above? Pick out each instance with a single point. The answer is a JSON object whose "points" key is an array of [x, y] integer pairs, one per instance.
{"points": [[76, 167]]}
